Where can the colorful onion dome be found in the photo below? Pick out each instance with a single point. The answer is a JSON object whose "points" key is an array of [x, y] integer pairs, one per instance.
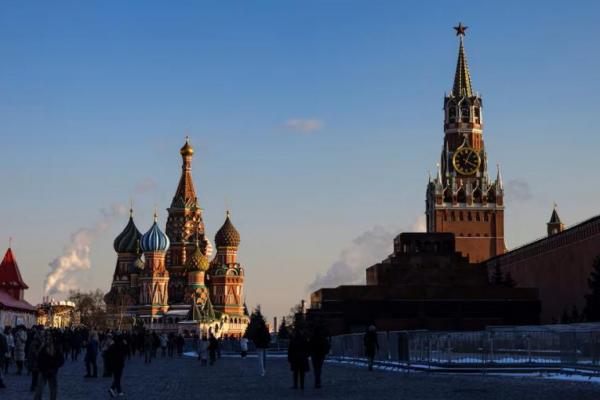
{"points": [[126, 242], [187, 149], [227, 236], [197, 260], [154, 239]]}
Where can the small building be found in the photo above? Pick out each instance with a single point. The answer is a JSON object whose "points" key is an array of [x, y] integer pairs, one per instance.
{"points": [[14, 309], [57, 314]]}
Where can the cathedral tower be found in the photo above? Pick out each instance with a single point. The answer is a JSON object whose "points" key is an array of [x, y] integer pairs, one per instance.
{"points": [[123, 291], [226, 274], [154, 296], [462, 199], [183, 224]]}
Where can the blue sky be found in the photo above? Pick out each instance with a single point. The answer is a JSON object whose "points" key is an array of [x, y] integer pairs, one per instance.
{"points": [[315, 121]]}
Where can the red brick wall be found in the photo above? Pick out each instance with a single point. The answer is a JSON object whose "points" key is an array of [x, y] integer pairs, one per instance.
{"points": [[559, 266]]}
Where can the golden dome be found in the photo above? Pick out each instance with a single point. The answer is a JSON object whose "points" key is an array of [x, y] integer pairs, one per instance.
{"points": [[187, 149], [197, 260]]}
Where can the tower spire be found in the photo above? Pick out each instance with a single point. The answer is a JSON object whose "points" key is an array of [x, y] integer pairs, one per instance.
{"points": [[499, 178], [185, 195], [462, 77]]}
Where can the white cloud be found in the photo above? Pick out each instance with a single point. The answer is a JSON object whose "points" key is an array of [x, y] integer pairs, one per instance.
{"points": [[303, 125]]}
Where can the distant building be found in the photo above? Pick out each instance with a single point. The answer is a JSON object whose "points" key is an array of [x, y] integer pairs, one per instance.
{"points": [[57, 314], [176, 287], [424, 284], [14, 310]]}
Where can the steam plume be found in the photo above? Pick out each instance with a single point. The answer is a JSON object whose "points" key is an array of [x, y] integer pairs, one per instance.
{"points": [[76, 254], [367, 249]]}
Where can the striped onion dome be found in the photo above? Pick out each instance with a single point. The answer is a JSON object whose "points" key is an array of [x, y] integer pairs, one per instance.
{"points": [[126, 241], [197, 260], [227, 236], [154, 239]]}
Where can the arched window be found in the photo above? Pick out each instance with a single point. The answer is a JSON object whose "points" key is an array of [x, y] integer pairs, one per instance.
{"points": [[465, 112], [452, 113]]}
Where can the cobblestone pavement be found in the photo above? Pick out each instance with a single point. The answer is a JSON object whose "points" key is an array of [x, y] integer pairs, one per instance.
{"points": [[234, 378]]}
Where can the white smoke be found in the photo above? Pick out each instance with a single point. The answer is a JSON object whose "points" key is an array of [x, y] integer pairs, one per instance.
{"points": [[367, 249], [76, 255]]}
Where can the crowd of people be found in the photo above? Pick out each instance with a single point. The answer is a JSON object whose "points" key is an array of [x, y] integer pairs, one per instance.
{"points": [[40, 352]]}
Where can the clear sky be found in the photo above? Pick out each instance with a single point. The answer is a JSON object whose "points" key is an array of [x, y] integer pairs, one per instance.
{"points": [[315, 121]]}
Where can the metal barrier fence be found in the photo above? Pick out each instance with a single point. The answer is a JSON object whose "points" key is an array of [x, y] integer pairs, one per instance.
{"points": [[492, 347]]}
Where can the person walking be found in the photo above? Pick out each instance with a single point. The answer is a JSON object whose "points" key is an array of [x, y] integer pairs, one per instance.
{"points": [[33, 352], [371, 345], [244, 347], [3, 352], [105, 345], [20, 341], [261, 341], [116, 354], [163, 345], [50, 359], [10, 343], [91, 356], [213, 348], [298, 352], [148, 344], [319, 348], [180, 341], [203, 350]]}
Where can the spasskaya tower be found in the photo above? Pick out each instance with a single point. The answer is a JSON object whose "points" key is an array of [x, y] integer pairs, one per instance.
{"points": [[462, 199]]}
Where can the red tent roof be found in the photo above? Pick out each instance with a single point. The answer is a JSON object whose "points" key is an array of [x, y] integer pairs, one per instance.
{"points": [[9, 272], [7, 301]]}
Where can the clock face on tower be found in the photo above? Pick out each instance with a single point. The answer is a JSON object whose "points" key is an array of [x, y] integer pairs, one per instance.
{"points": [[466, 161]]}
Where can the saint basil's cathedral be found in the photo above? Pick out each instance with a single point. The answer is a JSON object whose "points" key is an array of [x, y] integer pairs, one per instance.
{"points": [[175, 286]]}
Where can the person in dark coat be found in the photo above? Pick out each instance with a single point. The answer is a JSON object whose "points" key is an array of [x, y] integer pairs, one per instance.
{"points": [[3, 351], [91, 356], [298, 353], [33, 352], [115, 356], [50, 359], [213, 348], [371, 345], [319, 348], [180, 343]]}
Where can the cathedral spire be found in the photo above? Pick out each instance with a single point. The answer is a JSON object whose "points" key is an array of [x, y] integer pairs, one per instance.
{"points": [[462, 77], [185, 194]]}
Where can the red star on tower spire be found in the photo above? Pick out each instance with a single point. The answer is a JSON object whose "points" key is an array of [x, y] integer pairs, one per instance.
{"points": [[461, 29]]}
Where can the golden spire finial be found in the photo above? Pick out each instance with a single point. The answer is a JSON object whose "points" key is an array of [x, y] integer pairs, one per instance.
{"points": [[130, 208], [155, 214]]}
